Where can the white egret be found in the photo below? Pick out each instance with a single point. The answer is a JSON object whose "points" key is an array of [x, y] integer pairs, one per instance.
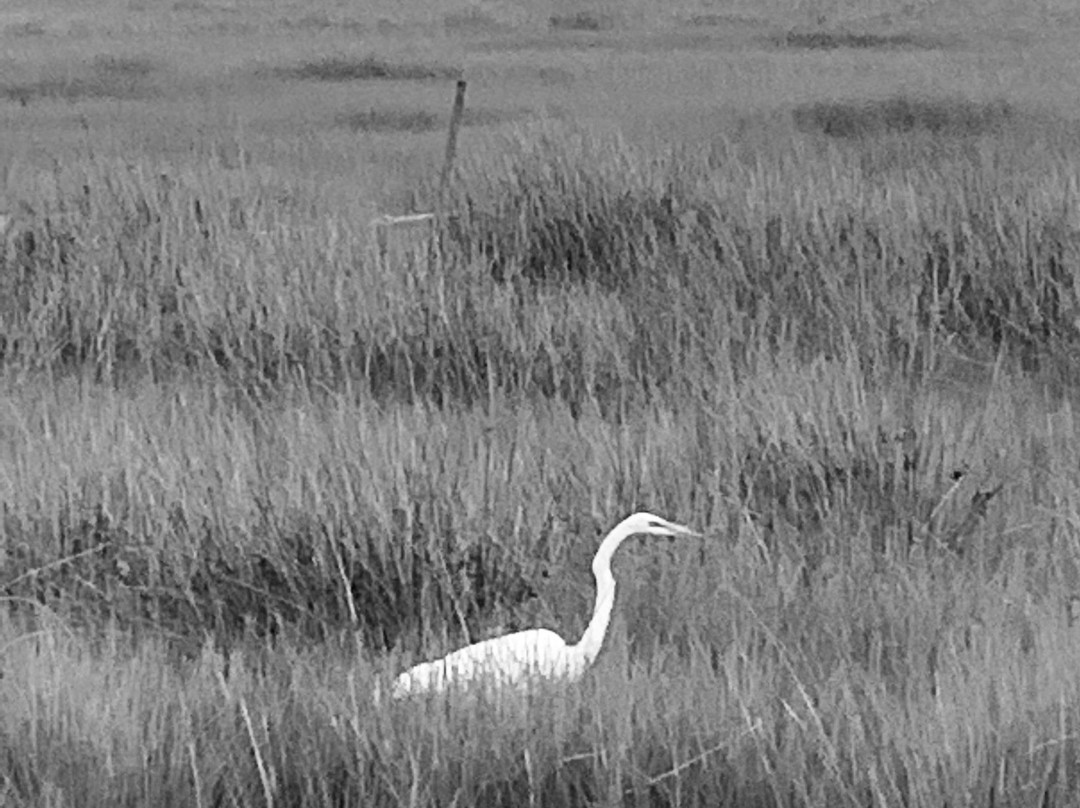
{"points": [[536, 654]]}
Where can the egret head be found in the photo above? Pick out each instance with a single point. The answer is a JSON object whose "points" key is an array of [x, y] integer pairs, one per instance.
{"points": [[650, 524]]}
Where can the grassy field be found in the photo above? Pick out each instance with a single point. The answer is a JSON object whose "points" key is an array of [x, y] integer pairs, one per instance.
{"points": [[803, 276]]}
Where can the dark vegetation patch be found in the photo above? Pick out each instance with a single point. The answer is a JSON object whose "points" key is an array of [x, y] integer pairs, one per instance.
{"points": [[28, 28], [221, 27], [390, 120], [368, 68], [320, 21], [400, 575], [794, 486], [129, 67], [471, 21], [525, 238], [833, 40], [387, 119], [955, 117], [308, 22], [556, 76], [581, 21], [553, 41], [106, 77], [724, 20]]}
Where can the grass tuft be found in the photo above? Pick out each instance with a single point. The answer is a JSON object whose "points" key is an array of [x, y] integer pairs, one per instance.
{"points": [[390, 120], [471, 20], [368, 68], [710, 20], [105, 77], [954, 117], [832, 40], [27, 28], [582, 20], [417, 121]]}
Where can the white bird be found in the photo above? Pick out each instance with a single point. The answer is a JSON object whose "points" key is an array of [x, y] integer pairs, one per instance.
{"points": [[536, 654]]}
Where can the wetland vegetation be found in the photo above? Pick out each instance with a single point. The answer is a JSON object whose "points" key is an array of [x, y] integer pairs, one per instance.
{"points": [[805, 280]]}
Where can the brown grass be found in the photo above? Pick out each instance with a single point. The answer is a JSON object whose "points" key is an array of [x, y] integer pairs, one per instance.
{"points": [[249, 471], [368, 68]]}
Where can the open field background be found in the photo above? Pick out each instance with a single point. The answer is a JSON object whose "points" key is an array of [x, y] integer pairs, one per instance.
{"points": [[801, 275]]}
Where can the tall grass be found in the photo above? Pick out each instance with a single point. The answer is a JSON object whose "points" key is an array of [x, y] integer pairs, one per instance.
{"points": [[250, 469], [574, 266]]}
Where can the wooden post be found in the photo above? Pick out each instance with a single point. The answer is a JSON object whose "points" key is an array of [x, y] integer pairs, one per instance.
{"points": [[451, 142]]}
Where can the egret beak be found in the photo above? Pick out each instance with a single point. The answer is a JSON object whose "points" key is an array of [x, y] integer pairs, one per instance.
{"points": [[683, 532]]}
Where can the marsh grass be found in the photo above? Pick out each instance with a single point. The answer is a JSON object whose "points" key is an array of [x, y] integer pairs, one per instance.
{"points": [[250, 472], [104, 78], [949, 118], [766, 692], [585, 20], [368, 68], [472, 20], [832, 40], [388, 119]]}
